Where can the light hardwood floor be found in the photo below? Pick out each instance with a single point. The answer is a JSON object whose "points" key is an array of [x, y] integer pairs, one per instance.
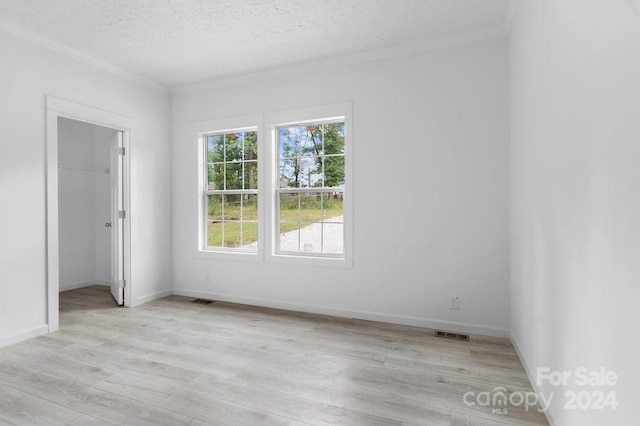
{"points": [[174, 362]]}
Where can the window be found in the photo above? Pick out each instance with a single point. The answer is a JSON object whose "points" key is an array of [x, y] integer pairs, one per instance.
{"points": [[310, 192], [231, 193], [283, 195]]}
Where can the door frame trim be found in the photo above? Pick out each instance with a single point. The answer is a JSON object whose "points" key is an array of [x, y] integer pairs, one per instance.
{"points": [[55, 108]]}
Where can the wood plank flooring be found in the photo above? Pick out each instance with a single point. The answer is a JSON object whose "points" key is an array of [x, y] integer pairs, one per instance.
{"points": [[174, 362]]}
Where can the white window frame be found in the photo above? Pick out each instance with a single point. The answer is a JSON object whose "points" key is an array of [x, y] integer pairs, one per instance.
{"points": [[228, 125], [268, 175], [327, 113]]}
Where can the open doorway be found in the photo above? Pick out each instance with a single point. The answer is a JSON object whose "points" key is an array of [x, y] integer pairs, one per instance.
{"points": [[88, 201], [90, 229]]}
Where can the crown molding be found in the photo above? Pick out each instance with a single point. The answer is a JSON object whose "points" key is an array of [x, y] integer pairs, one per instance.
{"points": [[259, 75], [18, 31], [349, 59]]}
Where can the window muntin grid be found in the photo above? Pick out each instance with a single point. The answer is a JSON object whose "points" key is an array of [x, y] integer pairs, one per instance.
{"points": [[310, 188], [231, 190]]}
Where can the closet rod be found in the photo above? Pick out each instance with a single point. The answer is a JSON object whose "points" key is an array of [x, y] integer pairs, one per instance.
{"points": [[83, 169]]}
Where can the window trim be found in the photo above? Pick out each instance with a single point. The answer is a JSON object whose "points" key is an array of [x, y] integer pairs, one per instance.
{"points": [[228, 125], [279, 190], [328, 113], [265, 125]]}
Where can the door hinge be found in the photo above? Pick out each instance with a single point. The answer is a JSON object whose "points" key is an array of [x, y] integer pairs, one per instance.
{"points": [[122, 214], [120, 150], [122, 283]]}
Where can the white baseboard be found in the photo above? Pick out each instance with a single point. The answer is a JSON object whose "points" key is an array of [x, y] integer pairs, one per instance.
{"points": [[23, 335], [528, 369], [365, 315], [152, 296], [73, 286]]}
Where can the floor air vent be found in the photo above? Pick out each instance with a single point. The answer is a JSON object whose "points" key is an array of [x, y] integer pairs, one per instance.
{"points": [[203, 301], [448, 335]]}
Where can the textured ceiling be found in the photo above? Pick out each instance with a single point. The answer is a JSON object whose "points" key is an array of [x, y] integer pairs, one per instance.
{"points": [[178, 42]]}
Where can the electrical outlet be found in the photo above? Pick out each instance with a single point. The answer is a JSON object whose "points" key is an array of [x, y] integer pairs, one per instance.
{"points": [[454, 303], [207, 279]]}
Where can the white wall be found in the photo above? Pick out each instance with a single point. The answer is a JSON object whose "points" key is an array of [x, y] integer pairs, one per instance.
{"points": [[30, 72], [576, 196], [430, 131]]}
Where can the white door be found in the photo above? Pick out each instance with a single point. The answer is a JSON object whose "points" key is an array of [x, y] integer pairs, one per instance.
{"points": [[117, 220]]}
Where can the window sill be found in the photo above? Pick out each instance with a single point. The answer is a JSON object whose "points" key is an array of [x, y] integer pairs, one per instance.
{"points": [[310, 260], [230, 255], [288, 259]]}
